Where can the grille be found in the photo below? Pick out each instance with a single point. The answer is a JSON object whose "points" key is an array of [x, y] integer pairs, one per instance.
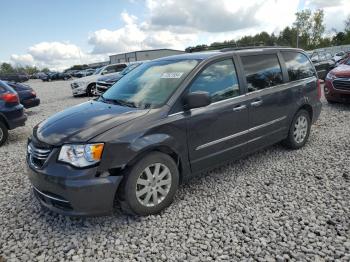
{"points": [[342, 84], [105, 84], [37, 156]]}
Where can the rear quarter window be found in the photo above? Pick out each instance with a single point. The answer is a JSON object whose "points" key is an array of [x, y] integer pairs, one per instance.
{"points": [[298, 66]]}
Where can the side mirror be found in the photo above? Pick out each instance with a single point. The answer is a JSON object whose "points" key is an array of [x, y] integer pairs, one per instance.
{"points": [[197, 99], [314, 60]]}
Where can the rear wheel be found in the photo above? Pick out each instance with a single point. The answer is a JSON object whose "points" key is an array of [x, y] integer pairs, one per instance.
{"points": [[3, 133], [150, 186], [299, 130]]}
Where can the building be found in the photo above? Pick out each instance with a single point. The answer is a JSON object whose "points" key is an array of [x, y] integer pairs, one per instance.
{"points": [[143, 55]]}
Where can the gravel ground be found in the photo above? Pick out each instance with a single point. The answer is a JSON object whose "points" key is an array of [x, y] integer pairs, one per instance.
{"points": [[275, 205]]}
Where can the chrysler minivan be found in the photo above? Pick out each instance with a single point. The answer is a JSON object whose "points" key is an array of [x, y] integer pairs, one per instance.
{"points": [[167, 120]]}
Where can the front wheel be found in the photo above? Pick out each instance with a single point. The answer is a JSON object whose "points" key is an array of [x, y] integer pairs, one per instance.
{"points": [[299, 130], [150, 186], [3, 133], [91, 90]]}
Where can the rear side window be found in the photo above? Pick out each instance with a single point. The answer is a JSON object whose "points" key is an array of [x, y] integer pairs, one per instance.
{"points": [[298, 66], [219, 80], [262, 71]]}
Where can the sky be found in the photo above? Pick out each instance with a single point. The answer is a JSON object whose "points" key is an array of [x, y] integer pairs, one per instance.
{"points": [[58, 34]]}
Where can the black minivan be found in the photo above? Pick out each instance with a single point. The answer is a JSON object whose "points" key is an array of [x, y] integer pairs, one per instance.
{"points": [[167, 120]]}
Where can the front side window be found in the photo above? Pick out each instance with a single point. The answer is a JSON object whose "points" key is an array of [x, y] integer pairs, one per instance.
{"points": [[149, 85], [262, 71], [219, 80], [298, 66]]}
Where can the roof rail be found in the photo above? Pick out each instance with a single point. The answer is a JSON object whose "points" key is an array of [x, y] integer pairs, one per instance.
{"points": [[250, 47], [229, 47]]}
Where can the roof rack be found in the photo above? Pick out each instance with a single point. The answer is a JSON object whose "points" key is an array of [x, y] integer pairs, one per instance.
{"points": [[229, 47], [250, 47]]}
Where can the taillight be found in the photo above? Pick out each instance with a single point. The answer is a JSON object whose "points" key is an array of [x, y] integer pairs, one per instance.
{"points": [[33, 93], [319, 90], [10, 98]]}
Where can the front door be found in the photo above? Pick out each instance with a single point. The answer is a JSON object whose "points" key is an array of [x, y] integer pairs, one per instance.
{"points": [[219, 131]]}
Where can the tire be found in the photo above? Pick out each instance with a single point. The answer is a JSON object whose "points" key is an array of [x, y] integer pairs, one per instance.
{"points": [[331, 102], [164, 190], [89, 90], [298, 136], [3, 133]]}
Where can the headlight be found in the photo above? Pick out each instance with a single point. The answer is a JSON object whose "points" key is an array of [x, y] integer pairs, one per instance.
{"points": [[331, 76], [81, 155]]}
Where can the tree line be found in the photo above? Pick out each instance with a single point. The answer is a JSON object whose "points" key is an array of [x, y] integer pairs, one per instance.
{"points": [[307, 32], [7, 68]]}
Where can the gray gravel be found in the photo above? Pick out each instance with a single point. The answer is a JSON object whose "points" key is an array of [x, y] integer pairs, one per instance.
{"points": [[275, 205]]}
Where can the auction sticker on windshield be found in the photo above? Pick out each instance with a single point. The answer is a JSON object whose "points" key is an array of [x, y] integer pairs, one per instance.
{"points": [[172, 75]]}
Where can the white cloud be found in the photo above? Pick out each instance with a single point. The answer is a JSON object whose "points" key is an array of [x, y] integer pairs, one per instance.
{"points": [[55, 55], [180, 23], [22, 60]]}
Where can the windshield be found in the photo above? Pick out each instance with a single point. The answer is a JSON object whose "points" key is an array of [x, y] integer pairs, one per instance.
{"points": [[129, 68], [149, 85], [98, 70]]}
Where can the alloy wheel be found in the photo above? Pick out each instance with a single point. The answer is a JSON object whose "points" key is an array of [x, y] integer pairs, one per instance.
{"points": [[1, 135], [300, 129], [153, 185]]}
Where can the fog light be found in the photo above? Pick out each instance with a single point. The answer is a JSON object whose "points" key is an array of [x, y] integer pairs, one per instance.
{"points": [[104, 174], [326, 90]]}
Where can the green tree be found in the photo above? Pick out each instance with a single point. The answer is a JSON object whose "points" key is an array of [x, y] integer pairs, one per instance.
{"points": [[317, 28], [6, 68], [45, 70]]}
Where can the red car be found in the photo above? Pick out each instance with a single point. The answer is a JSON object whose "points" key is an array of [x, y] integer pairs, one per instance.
{"points": [[337, 84]]}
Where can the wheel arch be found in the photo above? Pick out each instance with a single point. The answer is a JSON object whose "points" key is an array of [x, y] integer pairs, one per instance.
{"points": [[165, 149], [307, 108]]}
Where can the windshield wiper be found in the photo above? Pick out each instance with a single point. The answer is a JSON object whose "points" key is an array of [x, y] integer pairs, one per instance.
{"points": [[123, 102]]}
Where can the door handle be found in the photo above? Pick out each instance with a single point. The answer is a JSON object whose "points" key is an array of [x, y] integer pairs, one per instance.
{"points": [[239, 108], [256, 103]]}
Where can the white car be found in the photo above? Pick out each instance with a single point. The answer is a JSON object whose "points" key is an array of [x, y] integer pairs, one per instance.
{"points": [[339, 56], [87, 85]]}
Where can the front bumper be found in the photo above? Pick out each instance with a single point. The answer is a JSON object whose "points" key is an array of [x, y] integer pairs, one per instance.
{"points": [[78, 89], [334, 94], [71, 191]]}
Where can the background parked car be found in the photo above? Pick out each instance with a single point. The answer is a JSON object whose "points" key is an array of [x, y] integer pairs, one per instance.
{"points": [[17, 77], [56, 76], [83, 73], [105, 82], [11, 111], [339, 56], [344, 60], [337, 84], [87, 85], [27, 95], [323, 62]]}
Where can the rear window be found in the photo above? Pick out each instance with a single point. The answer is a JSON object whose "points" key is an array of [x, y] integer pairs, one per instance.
{"points": [[262, 71], [298, 66], [3, 87]]}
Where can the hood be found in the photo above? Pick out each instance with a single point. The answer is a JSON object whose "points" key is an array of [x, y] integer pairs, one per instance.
{"points": [[341, 71], [87, 78], [110, 78], [82, 122]]}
